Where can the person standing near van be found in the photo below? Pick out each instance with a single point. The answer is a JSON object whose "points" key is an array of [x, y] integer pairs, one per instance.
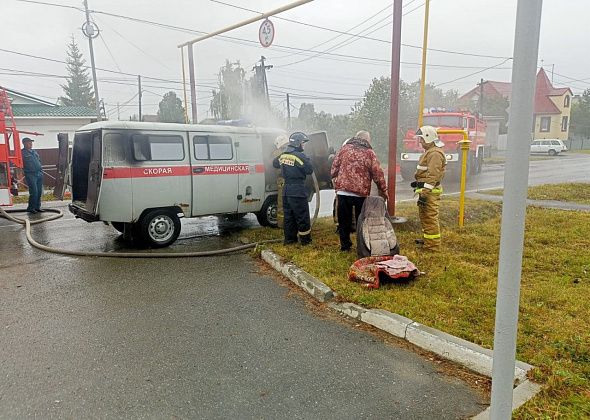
{"points": [[295, 167], [280, 143], [429, 174], [353, 169], [33, 175]]}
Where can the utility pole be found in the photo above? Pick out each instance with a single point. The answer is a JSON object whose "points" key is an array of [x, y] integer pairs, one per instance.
{"points": [[118, 112], [552, 68], [193, 86], [288, 113], [139, 90], [394, 104], [91, 31], [480, 98], [264, 80], [190, 43], [516, 176]]}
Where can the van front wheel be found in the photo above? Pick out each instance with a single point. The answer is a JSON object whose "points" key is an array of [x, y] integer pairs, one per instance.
{"points": [[160, 228]]}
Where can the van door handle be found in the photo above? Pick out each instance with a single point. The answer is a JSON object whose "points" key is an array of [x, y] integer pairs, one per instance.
{"points": [[198, 170]]}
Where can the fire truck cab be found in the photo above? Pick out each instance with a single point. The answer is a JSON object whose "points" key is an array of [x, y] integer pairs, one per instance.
{"points": [[142, 177], [476, 129]]}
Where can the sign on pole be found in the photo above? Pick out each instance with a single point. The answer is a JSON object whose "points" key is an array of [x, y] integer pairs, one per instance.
{"points": [[266, 33]]}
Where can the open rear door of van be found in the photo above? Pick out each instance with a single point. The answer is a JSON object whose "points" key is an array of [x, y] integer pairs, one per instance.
{"points": [[318, 150], [94, 174], [62, 165]]}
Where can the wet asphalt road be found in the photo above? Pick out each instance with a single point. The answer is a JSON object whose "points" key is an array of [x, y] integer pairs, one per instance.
{"points": [[191, 338]]}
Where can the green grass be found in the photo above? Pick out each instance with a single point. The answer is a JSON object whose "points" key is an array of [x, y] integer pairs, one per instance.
{"points": [[458, 292], [572, 192], [584, 152], [23, 199]]}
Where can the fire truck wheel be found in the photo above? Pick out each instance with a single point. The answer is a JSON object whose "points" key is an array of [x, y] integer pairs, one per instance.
{"points": [[267, 216], [160, 228]]}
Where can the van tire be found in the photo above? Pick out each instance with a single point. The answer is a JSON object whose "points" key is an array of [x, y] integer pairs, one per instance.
{"points": [[267, 216], [552, 152], [159, 228], [119, 226]]}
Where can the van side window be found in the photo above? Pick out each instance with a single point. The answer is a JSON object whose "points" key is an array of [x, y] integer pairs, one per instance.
{"points": [[115, 145], [472, 123], [213, 148], [157, 147]]}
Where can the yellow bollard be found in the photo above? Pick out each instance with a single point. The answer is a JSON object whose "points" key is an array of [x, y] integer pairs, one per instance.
{"points": [[464, 150]]}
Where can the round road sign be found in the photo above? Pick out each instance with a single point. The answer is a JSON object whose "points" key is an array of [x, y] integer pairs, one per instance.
{"points": [[266, 33]]}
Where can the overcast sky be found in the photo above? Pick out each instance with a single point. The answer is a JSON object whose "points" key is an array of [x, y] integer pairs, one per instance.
{"points": [[483, 27]]}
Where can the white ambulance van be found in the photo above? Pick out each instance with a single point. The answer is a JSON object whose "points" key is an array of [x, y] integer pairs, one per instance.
{"points": [[142, 177]]}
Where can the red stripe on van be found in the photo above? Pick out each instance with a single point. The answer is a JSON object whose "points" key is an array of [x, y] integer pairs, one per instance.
{"points": [[160, 171], [226, 169], [146, 172]]}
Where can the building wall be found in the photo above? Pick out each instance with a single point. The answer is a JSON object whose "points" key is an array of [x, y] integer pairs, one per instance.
{"points": [[46, 145], [49, 127], [555, 131]]}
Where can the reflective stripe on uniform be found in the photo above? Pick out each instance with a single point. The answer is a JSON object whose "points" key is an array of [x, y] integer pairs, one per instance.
{"points": [[289, 160], [435, 236], [437, 190], [422, 168], [307, 232], [429, 186]]}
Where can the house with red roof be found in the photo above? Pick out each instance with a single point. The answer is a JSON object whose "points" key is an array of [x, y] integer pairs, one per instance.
{"points": [[552, 105]]}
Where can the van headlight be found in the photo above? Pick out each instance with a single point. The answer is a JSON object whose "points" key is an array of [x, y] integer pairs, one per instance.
{"points": [[405, 156], [449, 157]]}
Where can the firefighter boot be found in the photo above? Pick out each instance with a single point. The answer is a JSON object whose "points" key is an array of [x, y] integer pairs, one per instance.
{"points": [[305, 239], [428, 213]]}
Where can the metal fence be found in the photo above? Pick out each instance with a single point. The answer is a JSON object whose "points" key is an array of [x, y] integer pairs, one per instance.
{"points": [[579, 143]]}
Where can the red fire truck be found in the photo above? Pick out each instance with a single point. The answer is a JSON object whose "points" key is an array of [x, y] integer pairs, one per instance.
{"points": [[10, 150], [476, 129]]}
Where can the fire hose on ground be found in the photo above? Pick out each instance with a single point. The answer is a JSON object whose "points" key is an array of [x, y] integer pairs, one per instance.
{"points": [[58, 213]]}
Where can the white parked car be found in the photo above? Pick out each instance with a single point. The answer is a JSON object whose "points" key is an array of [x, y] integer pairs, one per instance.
{"points": [[550, 146]]}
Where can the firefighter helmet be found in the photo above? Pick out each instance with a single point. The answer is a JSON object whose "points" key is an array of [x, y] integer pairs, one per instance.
{"points": [[281, 141], [429, 135], [297, 139]]}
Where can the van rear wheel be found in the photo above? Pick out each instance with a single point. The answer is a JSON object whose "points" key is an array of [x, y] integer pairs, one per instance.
{"points": [[159, 228], [267, 216]]}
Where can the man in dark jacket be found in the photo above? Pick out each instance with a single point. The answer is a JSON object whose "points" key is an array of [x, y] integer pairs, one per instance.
{"points": [[33, 175], [295, 167], [353, 169]]}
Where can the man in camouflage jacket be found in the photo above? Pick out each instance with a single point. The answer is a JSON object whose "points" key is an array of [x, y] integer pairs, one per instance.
{"points": [[354, 167]]}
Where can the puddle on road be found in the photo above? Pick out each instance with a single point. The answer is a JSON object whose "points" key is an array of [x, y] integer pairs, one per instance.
{"points": [[197, 234]]}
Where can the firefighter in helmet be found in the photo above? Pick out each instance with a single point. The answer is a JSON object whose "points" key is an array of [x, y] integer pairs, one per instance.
{"points": [[295, 167], [429, 174], [280, 143]]}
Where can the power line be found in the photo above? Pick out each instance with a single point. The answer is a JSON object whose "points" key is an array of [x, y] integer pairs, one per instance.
{"points": [[254, 43], [472, 74], [364, 36]]}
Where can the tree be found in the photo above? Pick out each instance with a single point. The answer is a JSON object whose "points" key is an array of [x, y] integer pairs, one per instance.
{"points": [[228, 99], [171, 109], [78, 90], [580, 117]]}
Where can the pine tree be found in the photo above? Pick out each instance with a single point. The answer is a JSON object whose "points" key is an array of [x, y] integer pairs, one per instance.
{"points": [[171, 109], [78, 90]]}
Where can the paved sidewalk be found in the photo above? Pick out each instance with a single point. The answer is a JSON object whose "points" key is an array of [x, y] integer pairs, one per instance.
{"points": [[548, 204]]}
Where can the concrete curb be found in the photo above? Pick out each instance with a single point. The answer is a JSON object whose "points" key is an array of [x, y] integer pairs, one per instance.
{"points": [[308, 283], [521, 394], [452, 348]]}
